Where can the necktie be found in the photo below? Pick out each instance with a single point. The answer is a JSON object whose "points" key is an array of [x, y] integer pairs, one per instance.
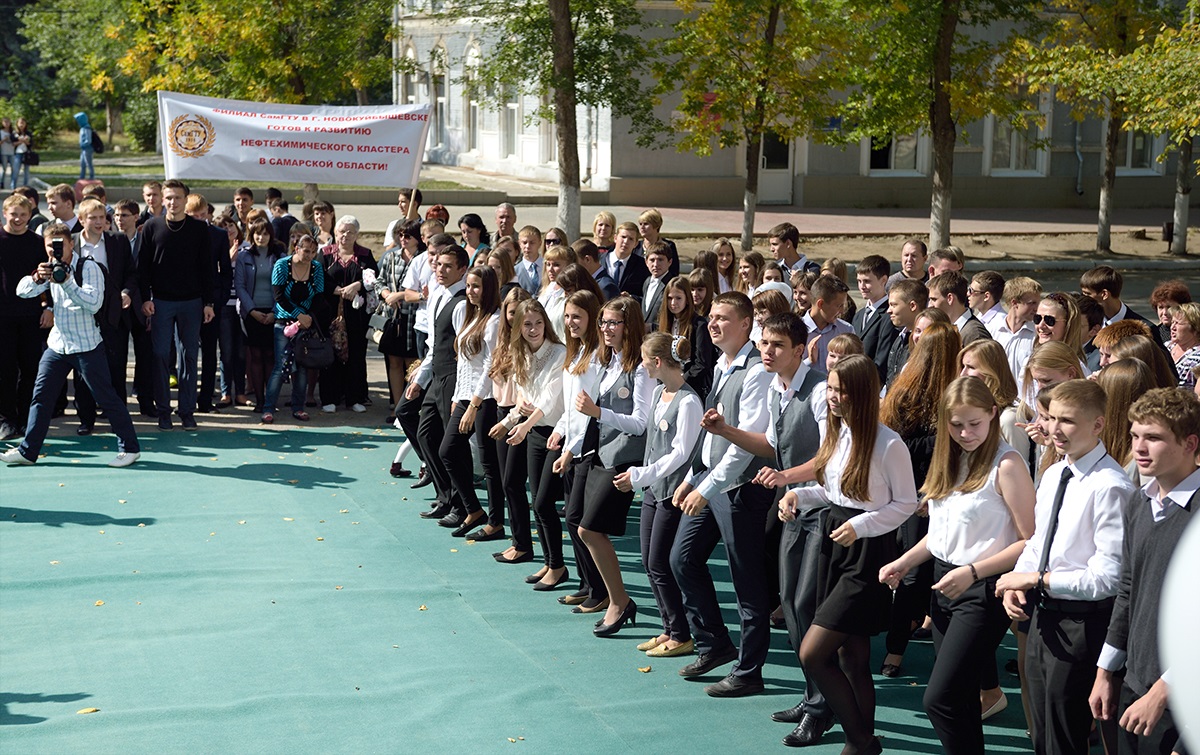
{"points": [[617, 272], [1067, 474]]}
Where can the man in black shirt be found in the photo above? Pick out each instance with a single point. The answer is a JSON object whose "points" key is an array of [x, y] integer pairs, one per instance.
{"points": [[175, 275], [22, 321]]}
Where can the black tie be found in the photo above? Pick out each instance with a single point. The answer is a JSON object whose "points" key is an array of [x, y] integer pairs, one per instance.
{"points": [[1059, 494], [617, 271]]}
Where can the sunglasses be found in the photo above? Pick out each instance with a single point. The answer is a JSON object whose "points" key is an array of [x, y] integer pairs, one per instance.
{"points": [[1050, 320], [553, 242]]}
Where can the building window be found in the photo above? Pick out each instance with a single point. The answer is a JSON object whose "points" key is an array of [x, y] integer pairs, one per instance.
{"points": [[408, 82], [1014, 149], [510, 122], [901, 155], [1135, 151], [1010, 148], [471, 105], [437, 90]]}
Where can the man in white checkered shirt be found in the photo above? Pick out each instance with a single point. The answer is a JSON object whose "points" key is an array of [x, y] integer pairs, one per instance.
{"points": [[74, 343]]}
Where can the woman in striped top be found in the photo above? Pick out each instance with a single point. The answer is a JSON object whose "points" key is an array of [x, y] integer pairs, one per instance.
{"points": [[298, 284]]}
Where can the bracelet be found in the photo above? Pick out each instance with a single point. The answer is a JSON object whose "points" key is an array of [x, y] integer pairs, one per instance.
{"points": [[1041, 583], [974, 574]]}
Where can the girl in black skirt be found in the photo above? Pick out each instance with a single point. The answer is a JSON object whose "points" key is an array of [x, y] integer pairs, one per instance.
{"points": [[398, 340], [615, 441], [865, 474]]}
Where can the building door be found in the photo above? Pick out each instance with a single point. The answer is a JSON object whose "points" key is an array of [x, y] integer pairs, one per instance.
{"points": [[775, 170]]}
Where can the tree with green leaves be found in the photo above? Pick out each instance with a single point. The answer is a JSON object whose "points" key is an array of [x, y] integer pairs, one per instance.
{"points": [[746, 68], [564, 53], [1088, 41]]}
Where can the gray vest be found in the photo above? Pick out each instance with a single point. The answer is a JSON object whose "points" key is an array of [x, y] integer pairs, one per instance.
{"points": [[658, 442], [797, 435], [613, 447], [727, 399]]}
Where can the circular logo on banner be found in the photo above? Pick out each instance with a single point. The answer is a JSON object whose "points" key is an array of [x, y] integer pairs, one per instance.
{"points": [[623, 392], [191, 135]]}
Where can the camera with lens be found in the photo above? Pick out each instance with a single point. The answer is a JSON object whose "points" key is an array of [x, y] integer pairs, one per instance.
{"points": [[58, 271]]}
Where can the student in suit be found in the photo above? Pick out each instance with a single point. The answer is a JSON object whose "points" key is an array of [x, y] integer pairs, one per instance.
{"points": [[948, 292], [628, 270], [658, 263], [906, 300], [871, 323], [590, 258], [649, 226], [1104, 284], [1069, 571], [1166, 439]]}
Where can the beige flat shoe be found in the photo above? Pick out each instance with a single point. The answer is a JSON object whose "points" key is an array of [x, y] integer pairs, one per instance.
{"points": [[662, 651], [649, 644]]}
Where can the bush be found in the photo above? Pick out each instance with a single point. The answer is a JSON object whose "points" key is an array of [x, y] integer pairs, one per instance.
{"points": [[141, 122]]}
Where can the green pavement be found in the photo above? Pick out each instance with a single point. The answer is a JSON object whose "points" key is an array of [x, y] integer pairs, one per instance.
{"points": [[271, 591]]}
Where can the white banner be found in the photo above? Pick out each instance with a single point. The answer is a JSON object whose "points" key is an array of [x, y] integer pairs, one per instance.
{"points": [[376, 145]]}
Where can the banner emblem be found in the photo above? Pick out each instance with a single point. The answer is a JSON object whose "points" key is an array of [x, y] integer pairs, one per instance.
{"points": [[191, 135]]}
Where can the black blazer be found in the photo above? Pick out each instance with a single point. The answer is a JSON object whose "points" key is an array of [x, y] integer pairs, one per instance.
{"points": [[222, 266], [1155, 332], [877, 337], [698, 371], [608, 287], [656, 303], [673, 270], [633, 276], [122, 277], [897, 356], [973, 330]]}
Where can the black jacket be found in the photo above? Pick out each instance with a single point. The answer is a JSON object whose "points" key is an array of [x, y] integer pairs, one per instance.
{"points": [[122, 278], [877, 337]]}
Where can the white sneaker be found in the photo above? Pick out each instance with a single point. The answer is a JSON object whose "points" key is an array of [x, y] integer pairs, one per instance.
{"points": [[13, 456], [124, 459], [358, 408], [329, 408], [396, 424]]}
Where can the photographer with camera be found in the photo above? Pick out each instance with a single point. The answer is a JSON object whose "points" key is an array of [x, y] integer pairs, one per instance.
{"points": [[74, 343]]}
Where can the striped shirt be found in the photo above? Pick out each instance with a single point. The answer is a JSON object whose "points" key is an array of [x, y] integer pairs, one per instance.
{"points": [[293, 297], [75, 330]]}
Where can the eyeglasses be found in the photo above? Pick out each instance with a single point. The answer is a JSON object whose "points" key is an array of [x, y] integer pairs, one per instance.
{"points": [[553, 242], [1050, 320], [976, 291], [611, 323]]}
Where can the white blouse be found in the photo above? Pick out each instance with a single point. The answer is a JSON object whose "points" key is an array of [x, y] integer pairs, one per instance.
{"points": [[572, 425], [473, 379], [643, 395], [544, 387], [554, 301], [893, 493], [969, 527], [687, 431]]}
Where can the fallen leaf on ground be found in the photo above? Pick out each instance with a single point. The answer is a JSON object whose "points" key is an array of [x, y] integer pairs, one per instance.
{"points": [[241, 521], [120, 500], [141, 524], [292, 482], [54, 563], [644, 669], [343, 511], [101, 532], [454, 550], [423, 608], [337, 587], [99, 602], [288, 519], [510, 739], [320, 539], [83, 711]]}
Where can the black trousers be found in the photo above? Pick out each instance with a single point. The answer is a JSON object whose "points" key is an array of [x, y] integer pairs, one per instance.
{"points": [[455, 454], [589, 574], [966, 633], [514, 465], [799, 552], [408, 411], [143, 367], [1162, 740], [431, 429], [546, 488], [1060, 669], [116, 352], [346, 382], [210, 336], [19, 358], [737, 519], [659, 523], [910, 602]]}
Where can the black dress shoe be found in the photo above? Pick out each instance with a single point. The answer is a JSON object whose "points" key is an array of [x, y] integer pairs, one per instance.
{"points": [[629, 613], [480, 536], [423, 479], [793, 715], [452, 520], [188, 421], [734, 686], [397, 470], [83, 430], [709, 661], [591, 605], [808, 731], [574, 598], [543, 587], [437, 512], [525, 557], [164, 422], [890, 670], [469, 524]]}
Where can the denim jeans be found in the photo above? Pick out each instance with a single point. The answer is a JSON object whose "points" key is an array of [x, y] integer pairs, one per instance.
{"points": [[283, 350], [6, 162], [17, 160], [233, 356], [86, 168], [186, 316]]}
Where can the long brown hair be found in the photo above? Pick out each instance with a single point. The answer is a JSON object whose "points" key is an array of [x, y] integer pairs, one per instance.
{"points": [[995, 371], [911, 405], [1141, 347], [858, 378], [946, 467], [704, 278], [582, 348], [631, 339], [522, 357], [666, 320], [502, 356], [476, 319], [1123, 382]]}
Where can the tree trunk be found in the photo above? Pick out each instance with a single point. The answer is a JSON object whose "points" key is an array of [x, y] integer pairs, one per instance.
{"points": [[112, 119], [1183, 193], [312, 192], [943, 129], [360, 96], [562, 35], [1109, 177], [750, 194]]}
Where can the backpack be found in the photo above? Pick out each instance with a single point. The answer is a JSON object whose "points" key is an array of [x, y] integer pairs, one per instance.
{"points": [[97, 143], [100, 313]]}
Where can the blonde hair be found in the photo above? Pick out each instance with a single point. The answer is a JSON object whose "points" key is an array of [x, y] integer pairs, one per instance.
{"points": [[673, 350], [945, 469], [992, 362], [1052, 355]]}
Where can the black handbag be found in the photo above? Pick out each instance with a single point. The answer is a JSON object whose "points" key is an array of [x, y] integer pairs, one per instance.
{"points": [[312, 349]]}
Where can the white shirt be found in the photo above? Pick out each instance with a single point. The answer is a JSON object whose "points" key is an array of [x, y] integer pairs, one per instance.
{"points": [[969, 527], [75, 330], [643, 395], [611, 261], [419, 275], [687, 430], [826, 334], [893, 493], [544, 389], [872, 309], [962, 320], [992, 319], [1085, 555], [1121, 314], [472, 375], [436, 302], [651, 289], [1018, 347], [572, 425], [754, 418], [97, 251]]}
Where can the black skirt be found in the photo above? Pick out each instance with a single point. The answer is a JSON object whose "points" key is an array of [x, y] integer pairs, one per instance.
{"points": [[258, 335], [850, 597], [605, 509]]}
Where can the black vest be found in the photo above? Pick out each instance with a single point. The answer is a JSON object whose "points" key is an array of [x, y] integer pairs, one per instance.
{"points": [[445, 360]]}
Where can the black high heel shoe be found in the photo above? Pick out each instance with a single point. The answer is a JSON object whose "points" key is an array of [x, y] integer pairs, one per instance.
{"points": [[628, 614]]}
